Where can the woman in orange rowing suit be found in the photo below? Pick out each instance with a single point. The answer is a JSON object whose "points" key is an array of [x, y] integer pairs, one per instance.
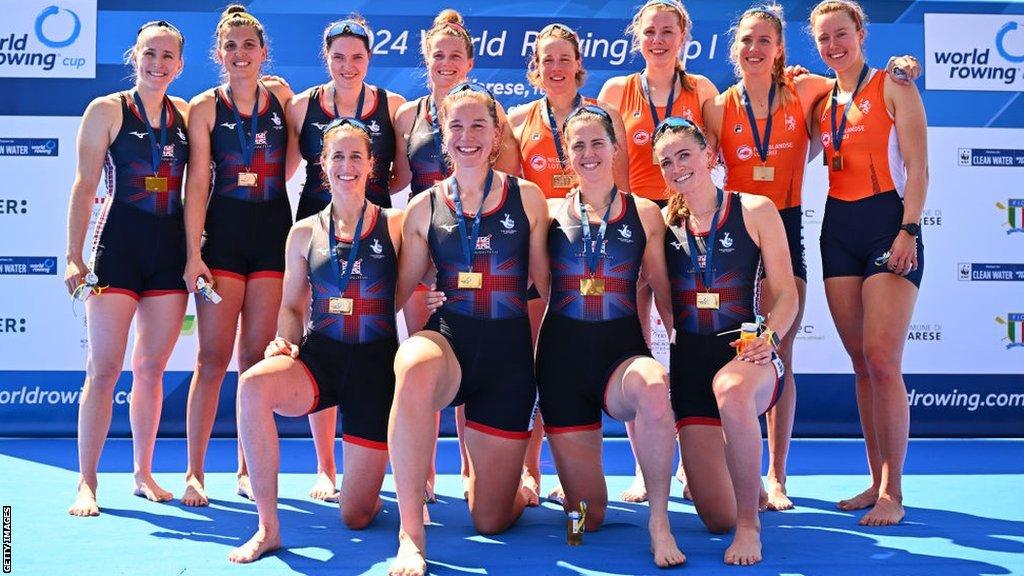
{"points": [[556, 68], [874, 133], [761, 128]]}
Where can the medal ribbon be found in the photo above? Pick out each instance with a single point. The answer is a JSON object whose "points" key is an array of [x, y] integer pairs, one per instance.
{"points": [[553, 123], [246, 138], [837, 136], [650, 101], [469, 242], [155, 148], [353, 253], [590, 260], [761, 145], [709, 247]]}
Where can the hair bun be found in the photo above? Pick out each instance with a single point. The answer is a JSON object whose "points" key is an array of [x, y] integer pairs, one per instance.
{"points": [[233, 9], [448, 16]]}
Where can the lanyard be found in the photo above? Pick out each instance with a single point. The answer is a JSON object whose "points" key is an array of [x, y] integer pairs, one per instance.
{"points": [[761, 145], [353, 253], [359, 103], [435, 125], [650, 101], [837, 136], [709, 247], [553, 123], [469, 242], [590, 260], [246, 139], [153, 146]]}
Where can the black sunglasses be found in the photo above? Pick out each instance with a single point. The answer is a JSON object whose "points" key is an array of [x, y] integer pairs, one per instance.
{"points": [[163, 24], [348, 28], [339, 122]]}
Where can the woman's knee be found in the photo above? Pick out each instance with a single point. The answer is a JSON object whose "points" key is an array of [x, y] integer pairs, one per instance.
{"points": [[719, 523], [254, 389], [883, 362], [212, 361], [358, 515], [417, 368], [650, 381], [103, 374], [732, 393], [148, 367]]}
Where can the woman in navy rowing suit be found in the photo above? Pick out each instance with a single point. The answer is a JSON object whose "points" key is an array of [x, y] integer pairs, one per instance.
{"points": [[138, 137], [236, 222]]}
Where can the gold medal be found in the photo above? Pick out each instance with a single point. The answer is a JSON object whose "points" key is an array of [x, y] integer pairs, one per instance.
{"points": [[471, 280], [561, 181], [764, 173], [708, 300], [247, 179], [340, 306], [837, 163], [156, 184], [591, 286]]}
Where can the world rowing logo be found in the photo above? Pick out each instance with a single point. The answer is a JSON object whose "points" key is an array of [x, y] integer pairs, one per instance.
{"points": [[1014, 214]]}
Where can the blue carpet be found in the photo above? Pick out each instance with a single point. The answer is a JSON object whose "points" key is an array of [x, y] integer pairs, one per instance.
{"points": [[965, 516]]}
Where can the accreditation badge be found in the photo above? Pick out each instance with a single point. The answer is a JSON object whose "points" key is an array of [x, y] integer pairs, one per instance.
{"points": [[561, 181], [764, 173], [591, 286], [708, 300], [247, 179], [156, 184], [471, 280], [340, 306]]}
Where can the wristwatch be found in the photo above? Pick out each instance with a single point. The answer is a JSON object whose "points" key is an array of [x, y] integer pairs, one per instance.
{"points": [[772, 337], [912, 228]]}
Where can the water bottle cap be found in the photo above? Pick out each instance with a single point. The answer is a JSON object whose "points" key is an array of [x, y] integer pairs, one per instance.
{"points": [[749, 327]]}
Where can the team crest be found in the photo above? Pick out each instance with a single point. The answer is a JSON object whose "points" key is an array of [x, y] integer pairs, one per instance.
{"points": [[261, 138], [538, 162], [169, 151], [864, 106], [641, 137], [357, 267], [826, 139], [744, 152], [483, 243], [1014, 323], [1014, 208], [790, 122]]}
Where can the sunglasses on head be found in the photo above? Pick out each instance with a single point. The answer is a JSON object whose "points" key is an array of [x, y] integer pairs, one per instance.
{"points": [[468, 86], [593, 109], [339, 122], [550, 28], [673, 122], [162, 24], [348, 28]]}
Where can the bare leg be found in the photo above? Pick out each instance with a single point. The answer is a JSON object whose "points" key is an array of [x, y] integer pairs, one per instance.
{"points": [[495, 499], [218, 326], [780, 417], [158, 323], [427, 379], [256, 329], [109, 318], [281, 385], [637, 491], [888, 306], [360, 484], [638, 391], [323, 425], [703, 450], [531, 466]]}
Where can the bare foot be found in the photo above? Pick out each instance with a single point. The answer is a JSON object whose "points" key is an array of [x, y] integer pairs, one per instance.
{"points": [[195, 493], [777, 498], [324, 488], [245, 488], [557, 495], [262, 541], [530, 489], [409, 560], [146, 487], [762, 499], [637, 491], [865, 499], [888, 511], [428, 493], [663, 547], [85, 503], [465, 488], [681, 478], [745, 549]]}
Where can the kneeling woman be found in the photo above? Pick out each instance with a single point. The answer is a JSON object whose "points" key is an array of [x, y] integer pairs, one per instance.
{"points": [[342, 264], [718, 246], [484, 231], [591, 353]]}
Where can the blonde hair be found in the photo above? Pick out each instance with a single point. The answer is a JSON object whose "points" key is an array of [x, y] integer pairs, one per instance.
{"points": [[685, 24], [132, 51], [481, 97], [561, 32], [772, 14], [852, 8], [448, 22], [343, 130]]}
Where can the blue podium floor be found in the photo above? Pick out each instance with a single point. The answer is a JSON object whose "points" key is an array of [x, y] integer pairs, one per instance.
{"points": [[964, 498]]}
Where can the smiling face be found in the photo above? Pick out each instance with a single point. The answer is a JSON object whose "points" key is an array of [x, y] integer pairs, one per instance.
{"points": [[558, 65], [470, 130], [448, 62], [591, 148], [839, 39], [240, 51], [348, 61], [757, 47], [156, 58], [346, 159], [661, 35], [685, 164]]}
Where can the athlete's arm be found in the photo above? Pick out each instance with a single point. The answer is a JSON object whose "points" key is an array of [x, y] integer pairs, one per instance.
{"points": [[653, 268], [904, 102], [713, 110], [611, 92], [537, 211], [295, 114], [295, 292], [197, 184], [620, 161], [517, 127], [284, 95], [765, 227], [101, 120], [414, 259], [706, 89], [401, 175], [508, 160]]}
